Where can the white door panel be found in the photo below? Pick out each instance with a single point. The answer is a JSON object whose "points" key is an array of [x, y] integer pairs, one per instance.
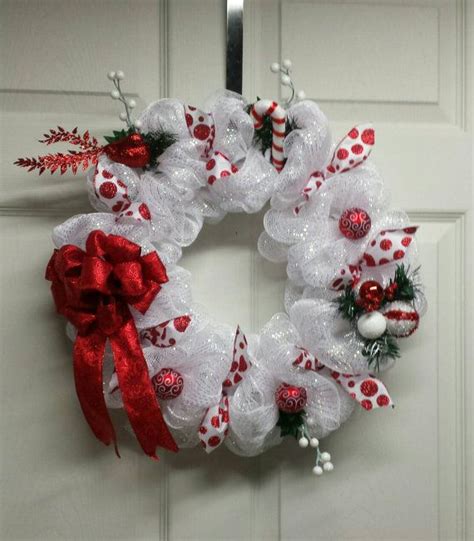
{"points": [[405, 474]]}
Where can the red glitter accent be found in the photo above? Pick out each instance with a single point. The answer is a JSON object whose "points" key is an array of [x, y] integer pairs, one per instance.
{"points": [[202, 132], [214, 441], [366, 404], [383, 400], [386, 244], [108, 190], [368, 136], [144, 211], [342, 153], [369, 387]]}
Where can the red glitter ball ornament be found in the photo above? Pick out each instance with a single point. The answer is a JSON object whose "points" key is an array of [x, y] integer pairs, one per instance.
{"points": [[168, 383], [371, 295], [131, 150], [290, 398], [354, 223]]}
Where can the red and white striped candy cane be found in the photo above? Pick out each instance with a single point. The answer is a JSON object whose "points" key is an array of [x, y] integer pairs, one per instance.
{"points": [[276, 112]]}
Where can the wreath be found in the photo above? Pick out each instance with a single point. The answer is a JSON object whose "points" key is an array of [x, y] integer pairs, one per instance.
{"points": [[141, 344]]}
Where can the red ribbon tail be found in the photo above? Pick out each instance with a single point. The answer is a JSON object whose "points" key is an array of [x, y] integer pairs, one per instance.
{"points": [[88, 362], [138, 396]]}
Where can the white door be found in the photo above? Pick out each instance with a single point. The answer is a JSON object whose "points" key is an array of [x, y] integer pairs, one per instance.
{"points": [[405, 65]]}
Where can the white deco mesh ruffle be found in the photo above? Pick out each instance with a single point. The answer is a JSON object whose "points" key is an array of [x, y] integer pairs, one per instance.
{"points": [[180, 200]]}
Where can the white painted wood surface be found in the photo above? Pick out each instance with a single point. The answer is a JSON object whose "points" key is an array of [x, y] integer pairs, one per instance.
{"points": [[405, 65]]}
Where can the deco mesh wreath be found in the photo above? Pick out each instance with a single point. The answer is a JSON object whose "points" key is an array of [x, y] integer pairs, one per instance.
{"points": [[139, 341]]}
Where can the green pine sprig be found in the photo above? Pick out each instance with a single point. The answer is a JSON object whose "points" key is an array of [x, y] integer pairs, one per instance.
{"points": [[347, 305], [158, 142], [379, 350], [406, 281], [290, 423]]}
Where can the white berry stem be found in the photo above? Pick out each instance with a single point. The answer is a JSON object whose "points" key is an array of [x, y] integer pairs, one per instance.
{"points": [[285, 73], [121, 98]]}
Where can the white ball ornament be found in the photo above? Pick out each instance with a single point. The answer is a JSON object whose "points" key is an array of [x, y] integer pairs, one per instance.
{"points": [[123, 116], [138, 124], [314, 442], [275, 67], [371, 325], [303, 442], [285, 80], [328, 466], [401, 318], [115, 94], [132, 104], [120, 75], [287, 63], [317, 470], [325, 457], [301, 94], [111, 75]]}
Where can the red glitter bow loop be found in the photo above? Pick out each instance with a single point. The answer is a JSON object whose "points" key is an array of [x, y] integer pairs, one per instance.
{"points": [[93, 290]]}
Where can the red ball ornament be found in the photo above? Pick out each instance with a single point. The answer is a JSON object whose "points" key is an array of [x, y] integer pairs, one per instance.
{"points": [[131, 150], [371, 295], [354, 223], [168, 383], [290, 398]]}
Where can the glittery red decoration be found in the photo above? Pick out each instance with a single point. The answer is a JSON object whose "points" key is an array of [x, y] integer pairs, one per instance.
{"points": [[354, 223], [168, 383], [85, 157], [131, 150], [371, 295], [290, 398]]}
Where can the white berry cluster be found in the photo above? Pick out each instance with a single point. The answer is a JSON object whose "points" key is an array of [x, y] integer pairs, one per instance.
{"points": [[117, 94], [285, 69], [323, 458]]}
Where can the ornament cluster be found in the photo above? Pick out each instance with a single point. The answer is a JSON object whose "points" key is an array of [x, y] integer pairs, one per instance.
{"points": [[143, 345]]}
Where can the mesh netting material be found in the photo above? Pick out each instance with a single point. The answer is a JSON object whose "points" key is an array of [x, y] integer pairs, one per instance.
{"points": [[180, 201]]}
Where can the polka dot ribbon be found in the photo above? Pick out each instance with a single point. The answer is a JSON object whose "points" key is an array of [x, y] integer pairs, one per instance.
{"points": [[353, 150], [201, 127], [368, 391], [259, 111], [113, 192], [219, 167], [386, 247], [166, 334], [215, 424]]}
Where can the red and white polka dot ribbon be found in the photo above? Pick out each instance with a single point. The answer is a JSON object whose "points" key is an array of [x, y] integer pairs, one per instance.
{"points": [[137, 212], [219, 167], [353, 149], [215, 424], [368, 391], [113, 192], [259, 111], [166, 334], [201, 127], [306, 360], [110, 190], [386, 247]]}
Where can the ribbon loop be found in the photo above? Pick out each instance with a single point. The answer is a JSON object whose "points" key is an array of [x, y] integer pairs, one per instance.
{"points": [[93, 289]]}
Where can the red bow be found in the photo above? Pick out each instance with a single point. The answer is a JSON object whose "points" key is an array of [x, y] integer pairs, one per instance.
{"points": [[93, 289]]}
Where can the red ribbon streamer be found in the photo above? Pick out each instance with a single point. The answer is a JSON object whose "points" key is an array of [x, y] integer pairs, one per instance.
{"points": [[93, 290]]}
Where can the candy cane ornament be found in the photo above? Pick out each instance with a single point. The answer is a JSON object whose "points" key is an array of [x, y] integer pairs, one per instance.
{"points": [[276, 112]]}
